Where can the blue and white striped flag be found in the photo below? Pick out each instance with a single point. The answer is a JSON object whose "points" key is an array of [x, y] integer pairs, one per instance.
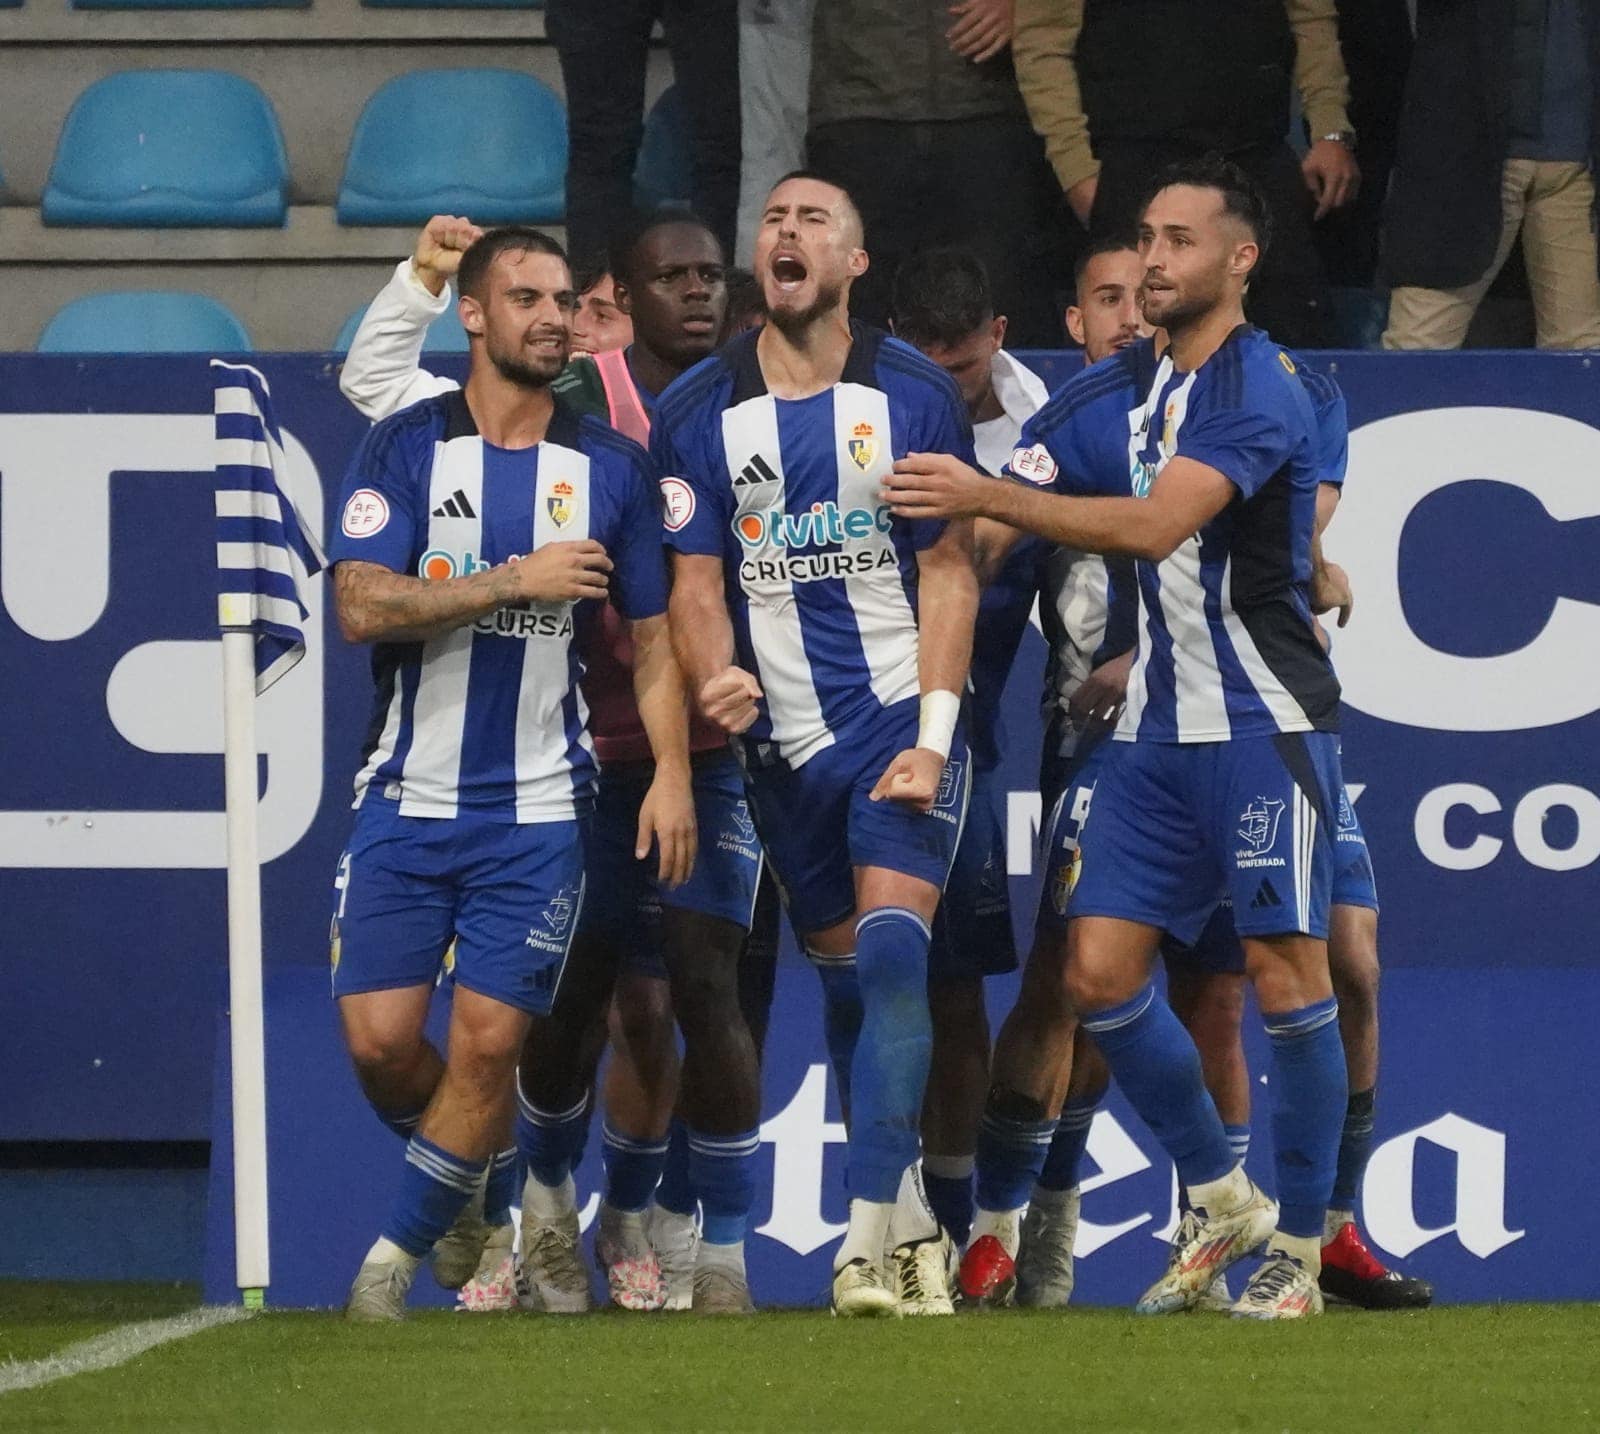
{"points": [[266, 548]]}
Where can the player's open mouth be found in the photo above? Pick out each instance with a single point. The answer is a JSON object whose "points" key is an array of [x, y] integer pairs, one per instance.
{"points": [[789, 271]]}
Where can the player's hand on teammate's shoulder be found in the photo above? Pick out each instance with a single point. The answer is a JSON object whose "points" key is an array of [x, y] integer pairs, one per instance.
{"points": [[1330, 589], [729, 699], [1098, 702], [666, 816], [913, 777], [559, 572], [440, 245], [936, 485]]}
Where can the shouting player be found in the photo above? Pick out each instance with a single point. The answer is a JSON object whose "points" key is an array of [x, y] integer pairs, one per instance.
{"points": [[834, 639], [480, 532], [1225, 779]]}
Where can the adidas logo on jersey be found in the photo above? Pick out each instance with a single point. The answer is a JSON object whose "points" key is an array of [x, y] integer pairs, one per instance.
{"points": [[757, 470], [456, 505], [1266, 897]]}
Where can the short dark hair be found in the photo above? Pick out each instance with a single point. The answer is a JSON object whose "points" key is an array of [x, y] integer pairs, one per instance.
{"points": [[630, 237], [1241, 195], [941, 296], [1101, 244], [590, 272], [820, 177], [489, 245], [746, 302]]}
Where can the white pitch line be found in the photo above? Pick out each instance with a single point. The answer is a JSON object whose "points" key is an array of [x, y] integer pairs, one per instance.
{"points": [[114, 1347]]}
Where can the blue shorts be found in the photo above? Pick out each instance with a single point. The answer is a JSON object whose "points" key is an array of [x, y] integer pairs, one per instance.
{"points": [[509, 894], [1180, 826], [627, 895], [1218, 948], [1069, 795], [818, 824], [972, 935]]}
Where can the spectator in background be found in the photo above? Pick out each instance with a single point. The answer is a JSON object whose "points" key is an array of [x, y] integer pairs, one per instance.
{"points": [[1119, 90], [1500, 134], [604, 47], [774, 76], [599, 323], [915, 110]]}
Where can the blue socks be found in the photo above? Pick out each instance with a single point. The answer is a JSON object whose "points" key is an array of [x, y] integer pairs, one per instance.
{"points": [[841, 1017], [1310, 1091], [675, 1192], [551, 1142], [1012, 1146], [1238, 1141], [405, 1126], [890, 1069], [1061, 1164], [632, 1168], [1355, 1146], [722, 1172], [1158, 1068], [947, 1179], [501, 1188], [433, 1191]]}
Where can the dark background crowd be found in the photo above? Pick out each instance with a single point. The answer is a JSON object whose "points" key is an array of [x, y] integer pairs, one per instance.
{"points": [[1429, 166]]}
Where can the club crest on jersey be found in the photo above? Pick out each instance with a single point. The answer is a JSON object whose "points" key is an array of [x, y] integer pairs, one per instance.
{"points": [[1258, 825], [863, 446], [1063, 881], [560, 503]]}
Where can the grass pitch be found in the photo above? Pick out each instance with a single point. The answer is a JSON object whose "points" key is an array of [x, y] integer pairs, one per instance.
{"points": [[1514, 1367]]}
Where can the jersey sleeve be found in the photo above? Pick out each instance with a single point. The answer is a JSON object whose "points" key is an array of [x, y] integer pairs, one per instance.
{"points": [[945, 428], [639, 562], [1333, 435], [693, 504], [1247, 443], [1046, 457], [381, 502]]}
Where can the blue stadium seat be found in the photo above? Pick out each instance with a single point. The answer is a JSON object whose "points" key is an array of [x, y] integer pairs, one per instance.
{"points": [[169, 149], [188, 4], [500, 157], [144, 322], [445, 334], [663, 174]]}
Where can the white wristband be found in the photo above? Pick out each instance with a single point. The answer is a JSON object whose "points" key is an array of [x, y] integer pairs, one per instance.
{"points": [[937, 727]]}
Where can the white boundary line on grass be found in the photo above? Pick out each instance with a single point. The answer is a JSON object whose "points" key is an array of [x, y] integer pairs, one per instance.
{"points": [[114, 1347]]}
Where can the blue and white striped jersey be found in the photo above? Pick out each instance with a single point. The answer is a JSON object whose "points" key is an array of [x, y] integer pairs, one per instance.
{"points": [[489, 718], [1226, 645], [821, 579], [1333, 423]]}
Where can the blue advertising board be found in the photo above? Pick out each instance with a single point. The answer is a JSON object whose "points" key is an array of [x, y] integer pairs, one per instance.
{"points": [[1472, 683]]}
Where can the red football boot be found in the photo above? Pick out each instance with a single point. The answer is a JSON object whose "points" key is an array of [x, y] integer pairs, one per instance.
{"points": [[988, 1274], [1351, 1272]]}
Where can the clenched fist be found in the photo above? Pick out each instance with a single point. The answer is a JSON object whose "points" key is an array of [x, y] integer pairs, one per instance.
{"points": [[444, 239], [729, 699]]}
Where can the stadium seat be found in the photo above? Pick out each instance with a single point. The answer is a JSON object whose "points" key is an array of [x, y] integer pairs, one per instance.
{"points": [[191, 4], [169, 149], [490, 144], [144, 321], [663, 174], [1359, 318], [445, 334]]}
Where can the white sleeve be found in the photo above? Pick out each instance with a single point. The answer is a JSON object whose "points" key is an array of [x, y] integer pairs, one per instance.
{"points": [[382, 373]]}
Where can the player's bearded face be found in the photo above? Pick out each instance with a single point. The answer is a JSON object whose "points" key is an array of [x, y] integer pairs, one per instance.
{"points": [[527, 319], [806, 252], [1187, 245]]}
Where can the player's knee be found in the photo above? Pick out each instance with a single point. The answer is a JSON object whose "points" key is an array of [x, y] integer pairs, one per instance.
{"points": [[382, 1051], [1088, 986], [486, 1036], [641, 1019], [1356, 986], [957, 1011]]}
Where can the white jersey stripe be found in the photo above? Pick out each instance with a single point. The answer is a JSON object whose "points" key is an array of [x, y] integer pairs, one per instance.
{"points": [[1197, 685], [544, 681], [883, 615], [439, 715], [784, 670]]}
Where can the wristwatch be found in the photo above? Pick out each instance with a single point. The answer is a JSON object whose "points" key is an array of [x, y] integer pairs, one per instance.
{"points": [[1346, 137]]}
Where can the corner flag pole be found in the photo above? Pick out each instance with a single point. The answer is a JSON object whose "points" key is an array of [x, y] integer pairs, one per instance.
{"points": [[252, 1261], [266, 554]]}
